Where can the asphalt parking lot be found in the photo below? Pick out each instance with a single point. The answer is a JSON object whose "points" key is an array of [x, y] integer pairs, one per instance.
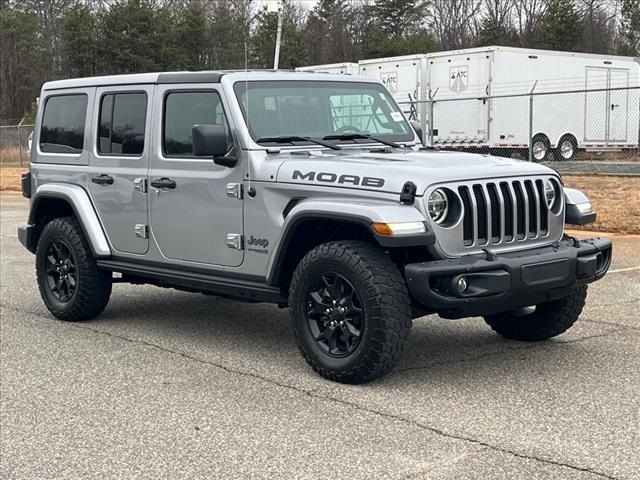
{"points": [[174, 385]]}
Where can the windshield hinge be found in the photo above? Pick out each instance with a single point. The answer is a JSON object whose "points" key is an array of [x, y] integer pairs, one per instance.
{"points": [[234, 190], [408, 194]]}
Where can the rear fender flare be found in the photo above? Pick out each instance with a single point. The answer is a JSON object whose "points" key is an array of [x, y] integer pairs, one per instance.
{"points": [[80, 203]]}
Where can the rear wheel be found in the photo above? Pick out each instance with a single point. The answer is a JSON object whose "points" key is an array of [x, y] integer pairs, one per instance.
{"points": [[546, 321], [567, 148], [71, 285], [350, 311]]}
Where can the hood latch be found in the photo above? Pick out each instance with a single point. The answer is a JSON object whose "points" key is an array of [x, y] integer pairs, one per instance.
{"points": [[408, 194]]}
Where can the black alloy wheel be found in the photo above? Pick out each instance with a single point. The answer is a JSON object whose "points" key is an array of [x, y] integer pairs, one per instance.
{"points": [[335, 315], [62, 274], [350, 310], [71, 285]]}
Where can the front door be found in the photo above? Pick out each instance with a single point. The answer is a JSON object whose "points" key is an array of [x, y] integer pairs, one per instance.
{"points": [[118, 164], [192, 214]]}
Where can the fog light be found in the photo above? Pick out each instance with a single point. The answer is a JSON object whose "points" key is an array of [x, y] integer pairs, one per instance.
{"points": [[462, 285]]}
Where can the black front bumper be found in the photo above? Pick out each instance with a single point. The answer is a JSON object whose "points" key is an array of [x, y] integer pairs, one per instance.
{"points": [[507, 281]]}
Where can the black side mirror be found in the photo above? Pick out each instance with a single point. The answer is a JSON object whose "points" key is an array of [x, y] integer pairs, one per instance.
{"points": [[211, 141], [416, 126]]}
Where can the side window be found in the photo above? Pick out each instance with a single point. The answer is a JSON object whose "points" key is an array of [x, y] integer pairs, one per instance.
{"points": [[183, 110], [122, 123], [63, 120]]}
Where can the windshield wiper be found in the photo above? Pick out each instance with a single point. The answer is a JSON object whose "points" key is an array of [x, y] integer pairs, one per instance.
{"points": [[356, 136], [296, 138]]}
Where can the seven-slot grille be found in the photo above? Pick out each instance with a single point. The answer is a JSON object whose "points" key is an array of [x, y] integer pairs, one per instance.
{"points": [[503, 212]]}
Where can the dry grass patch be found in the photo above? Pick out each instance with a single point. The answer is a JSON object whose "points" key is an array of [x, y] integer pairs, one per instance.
{"points": [[10, 178], [11, 157], [615, 199]]}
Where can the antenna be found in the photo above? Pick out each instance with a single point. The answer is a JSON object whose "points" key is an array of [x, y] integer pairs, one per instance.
{"points": [[250, 190]]}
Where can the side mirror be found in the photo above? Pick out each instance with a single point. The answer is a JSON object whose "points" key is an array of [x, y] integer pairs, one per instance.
{"points": [[416, 126], [211, 141]]}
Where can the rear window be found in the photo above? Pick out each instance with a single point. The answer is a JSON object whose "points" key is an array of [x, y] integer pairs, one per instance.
{"points": [[122, 123], [63, 121]]}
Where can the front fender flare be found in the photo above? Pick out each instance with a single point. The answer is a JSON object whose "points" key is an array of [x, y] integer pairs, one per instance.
{"points": [[359, 212], [81, 205]]}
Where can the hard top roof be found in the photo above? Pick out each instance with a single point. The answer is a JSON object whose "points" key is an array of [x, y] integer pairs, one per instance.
{"points": [[208, 76]]}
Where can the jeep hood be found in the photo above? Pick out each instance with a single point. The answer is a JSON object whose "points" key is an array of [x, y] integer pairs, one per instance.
{"points": [[388, 172]]}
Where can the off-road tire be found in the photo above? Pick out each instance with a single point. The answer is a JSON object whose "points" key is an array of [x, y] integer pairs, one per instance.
{"points": [[384, 300], [548, 319], [93, 285]]}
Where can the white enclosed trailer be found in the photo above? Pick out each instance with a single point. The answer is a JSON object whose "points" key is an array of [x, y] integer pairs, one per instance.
{"points": [[480, 100], [345, 68], [405, 77]]}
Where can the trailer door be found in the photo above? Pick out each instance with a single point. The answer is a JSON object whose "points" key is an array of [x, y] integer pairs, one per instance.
{"points": [[596, 108], [618, 105]]}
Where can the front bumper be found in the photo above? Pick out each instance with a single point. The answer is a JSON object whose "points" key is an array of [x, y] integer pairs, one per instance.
{"points": [[507, 281]]}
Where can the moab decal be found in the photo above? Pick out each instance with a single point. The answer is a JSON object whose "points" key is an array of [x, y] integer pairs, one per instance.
{"points": [[327, 177]]}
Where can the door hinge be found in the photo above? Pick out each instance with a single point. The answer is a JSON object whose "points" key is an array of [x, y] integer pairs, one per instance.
{"points": [[141, 230], [234, 190], [140, 184], [235, 241]]}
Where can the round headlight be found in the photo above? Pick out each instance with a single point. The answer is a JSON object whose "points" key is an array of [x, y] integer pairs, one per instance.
{"points": [[438, 205], [550, 193]]}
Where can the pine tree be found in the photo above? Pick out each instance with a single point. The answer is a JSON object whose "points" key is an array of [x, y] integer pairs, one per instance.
{"points": [[79, 41], [397, 17], [630, 28], [560, 26]]}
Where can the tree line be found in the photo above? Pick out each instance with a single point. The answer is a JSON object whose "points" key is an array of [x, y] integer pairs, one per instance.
{"points": [[50, 39]]}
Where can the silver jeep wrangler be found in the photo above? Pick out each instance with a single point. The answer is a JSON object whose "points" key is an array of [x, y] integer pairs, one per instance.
{"points": [[305, 190]]}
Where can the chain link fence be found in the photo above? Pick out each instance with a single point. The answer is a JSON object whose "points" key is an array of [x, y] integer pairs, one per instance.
{"points": [[594, 124], [15, 145]]}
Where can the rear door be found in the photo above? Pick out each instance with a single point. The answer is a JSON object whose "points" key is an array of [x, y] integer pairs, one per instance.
{"points": [[118, 164], [618, 104]]}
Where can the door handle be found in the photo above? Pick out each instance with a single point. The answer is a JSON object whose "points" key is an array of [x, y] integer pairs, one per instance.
{"points": [[163, 182], [103, 179]]}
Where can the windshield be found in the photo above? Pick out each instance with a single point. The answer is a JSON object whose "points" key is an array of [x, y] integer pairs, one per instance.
{"points": [[319, 109]]}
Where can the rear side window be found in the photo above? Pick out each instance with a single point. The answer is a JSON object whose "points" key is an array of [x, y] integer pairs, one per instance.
{"points": [[183, 110], [122, 123], [63, 121]]}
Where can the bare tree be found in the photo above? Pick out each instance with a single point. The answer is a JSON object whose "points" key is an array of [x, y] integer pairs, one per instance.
{"points": [[455, 22], [529, 14]]}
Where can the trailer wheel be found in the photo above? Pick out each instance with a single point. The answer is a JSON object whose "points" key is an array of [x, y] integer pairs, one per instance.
{"points": [[567, 148], [540, 147]]}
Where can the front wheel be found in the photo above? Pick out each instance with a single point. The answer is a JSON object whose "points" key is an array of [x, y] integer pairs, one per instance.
{"points": [[350, 311], [71, 285], [546, 321], [539, 148]]}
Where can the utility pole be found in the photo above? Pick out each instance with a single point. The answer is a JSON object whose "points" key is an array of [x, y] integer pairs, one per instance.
{"points": [[276, 57]]}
